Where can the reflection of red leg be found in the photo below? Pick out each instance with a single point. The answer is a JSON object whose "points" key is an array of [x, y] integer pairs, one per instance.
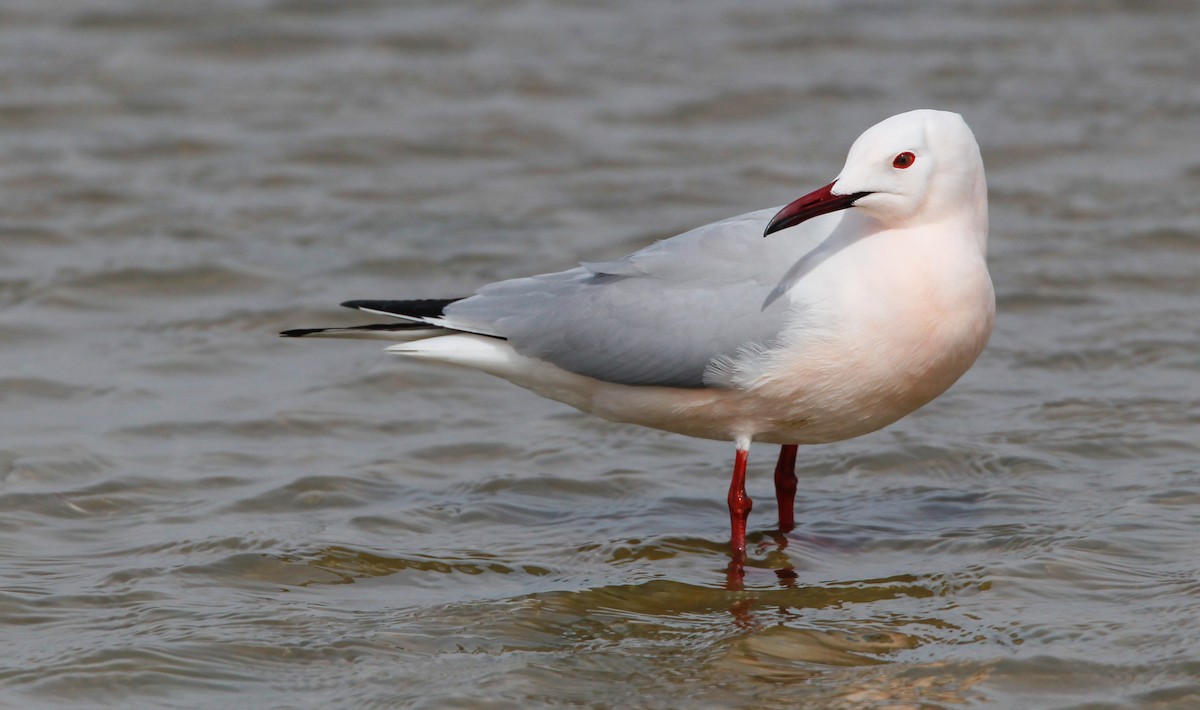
{"points": [[739, 506], [735, 573], [785, 487]]}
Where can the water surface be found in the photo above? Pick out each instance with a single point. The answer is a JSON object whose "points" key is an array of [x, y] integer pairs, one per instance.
{"points": [[196, 513]]}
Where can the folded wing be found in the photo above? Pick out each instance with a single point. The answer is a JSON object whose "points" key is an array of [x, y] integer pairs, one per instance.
{"points": [[657, 317]]}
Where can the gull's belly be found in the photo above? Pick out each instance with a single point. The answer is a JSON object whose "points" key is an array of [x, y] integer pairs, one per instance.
{"points": [[815, 403], [864, 381]]}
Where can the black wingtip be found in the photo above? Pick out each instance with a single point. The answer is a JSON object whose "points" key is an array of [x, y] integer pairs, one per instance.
{"points": [[371, 327], [299, 332]]}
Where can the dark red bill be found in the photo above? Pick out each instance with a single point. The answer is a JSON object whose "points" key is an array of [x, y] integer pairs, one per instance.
{"points": [[815, 203]]}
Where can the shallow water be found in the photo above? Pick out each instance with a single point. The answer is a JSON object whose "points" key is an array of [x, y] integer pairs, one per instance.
{"points": [[196, 513]]}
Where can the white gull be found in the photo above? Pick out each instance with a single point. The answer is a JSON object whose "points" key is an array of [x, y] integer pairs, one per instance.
{"points": [[868, 298]]}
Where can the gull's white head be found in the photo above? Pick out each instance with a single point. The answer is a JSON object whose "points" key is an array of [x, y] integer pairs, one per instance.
{"points": [[915, 168]]}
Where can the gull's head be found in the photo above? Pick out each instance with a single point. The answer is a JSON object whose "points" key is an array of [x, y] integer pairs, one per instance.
{"points": [[914, 168]]}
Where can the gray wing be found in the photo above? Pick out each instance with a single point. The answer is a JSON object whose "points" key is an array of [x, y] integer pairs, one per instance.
{"points": [[659, 316]]}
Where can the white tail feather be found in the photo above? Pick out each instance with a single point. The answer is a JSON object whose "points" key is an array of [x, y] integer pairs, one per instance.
{"points": [[478, 351], [496, 357]]}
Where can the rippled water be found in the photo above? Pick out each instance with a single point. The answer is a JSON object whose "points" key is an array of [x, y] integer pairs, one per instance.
{"points": [[196, 513]]}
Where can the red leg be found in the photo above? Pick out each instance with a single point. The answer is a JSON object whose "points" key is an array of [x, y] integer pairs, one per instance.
{"points": [[785, 487], [739, 505]]}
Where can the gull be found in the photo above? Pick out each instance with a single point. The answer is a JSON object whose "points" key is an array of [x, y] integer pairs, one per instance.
{"points": [[826, 319]]}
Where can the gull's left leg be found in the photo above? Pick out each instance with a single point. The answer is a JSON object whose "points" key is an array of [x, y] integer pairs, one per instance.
{"points": [[785, 487], [739, 502]]}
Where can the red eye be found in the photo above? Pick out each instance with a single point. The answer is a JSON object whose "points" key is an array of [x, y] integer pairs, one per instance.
{"points": [[904, 160]]}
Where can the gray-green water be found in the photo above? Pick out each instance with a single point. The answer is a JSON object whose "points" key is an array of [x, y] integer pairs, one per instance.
{"points": [[196, 513]]}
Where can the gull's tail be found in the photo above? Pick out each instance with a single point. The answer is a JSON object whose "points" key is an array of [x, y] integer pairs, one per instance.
{"points": [[417, 315]]}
